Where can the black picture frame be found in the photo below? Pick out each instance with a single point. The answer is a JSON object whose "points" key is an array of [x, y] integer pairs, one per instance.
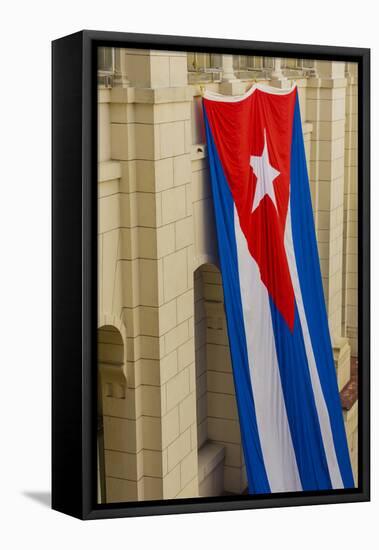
{"points": [[74, 273]]}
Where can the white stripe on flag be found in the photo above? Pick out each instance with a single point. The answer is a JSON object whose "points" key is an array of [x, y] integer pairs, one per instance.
{"points": [[274, 434], [322, 411]]}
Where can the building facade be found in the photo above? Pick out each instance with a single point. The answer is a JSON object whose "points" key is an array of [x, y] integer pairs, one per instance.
{"points": [[168, 421]]}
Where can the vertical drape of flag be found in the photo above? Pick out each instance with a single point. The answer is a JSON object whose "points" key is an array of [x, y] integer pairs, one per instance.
{"points": [[286, 388]]}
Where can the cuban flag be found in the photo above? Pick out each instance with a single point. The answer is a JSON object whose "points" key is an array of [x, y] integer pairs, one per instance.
{"points": [[286, 387]]}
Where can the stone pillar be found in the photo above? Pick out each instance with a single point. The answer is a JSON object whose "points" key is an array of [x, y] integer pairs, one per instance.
{"points": [[350, 267], [278, 80], [230, 85], [151, 137], [120, 78], [325, 108]]}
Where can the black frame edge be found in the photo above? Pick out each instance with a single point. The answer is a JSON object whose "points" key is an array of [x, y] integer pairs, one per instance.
{"points": [[67, 129]]}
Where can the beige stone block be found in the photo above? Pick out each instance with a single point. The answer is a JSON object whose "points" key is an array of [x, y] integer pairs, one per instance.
{"points": [[170, 427], [151, 401], [120, 490], [184, 233], [138, 69], [171, 483], [331, 150], [123, 140], [202, 408], [145, 175], [182, 170], [152, 463], [147, 142], [173, 205], [175, 337], [190, 264], [150, 284], [123, 113], [128, 181], [185, 306], [222, 405], [202, 433], [211, 470], [175, 274], [103, 148], [152, 488], [149, 209], [188, 468], [128, 246], [191, 490], [187, 136], [130, 282], [171, 112], [326, 93], [108, 187], [119, 401], [167, 317], [164, 174], [178, 71], [171, 139], [165, 240], [220, 382], [233, 480], [233, 454], [149, 370], [152, 429], [159, 71], [219, 358], [220, 429], [200, 185], [217, 335], [177, 388], [109, 213], [187, 412], [146, 242], [128, 209], [121, 434], [122, 465], [148, 347], [169, 366], [186, 354], [148, 320], [178, 449]]}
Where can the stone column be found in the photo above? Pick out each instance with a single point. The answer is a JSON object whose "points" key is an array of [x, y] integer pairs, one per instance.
{"points": [[151, 136], [278, 80], [325, 108], [120, 78], [230, 85], [350, 267]]}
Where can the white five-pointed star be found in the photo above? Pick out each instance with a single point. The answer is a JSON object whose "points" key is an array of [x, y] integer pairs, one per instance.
{"points": [[265, 174]]}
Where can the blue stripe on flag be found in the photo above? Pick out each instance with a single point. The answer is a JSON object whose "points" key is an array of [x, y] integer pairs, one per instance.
{"points": [[300, 403], [224, 215], [308, 267]]}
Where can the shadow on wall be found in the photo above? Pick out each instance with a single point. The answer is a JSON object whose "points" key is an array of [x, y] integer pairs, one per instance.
{"points": [[221, 461]]}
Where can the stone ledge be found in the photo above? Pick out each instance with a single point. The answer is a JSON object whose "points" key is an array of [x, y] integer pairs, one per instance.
{"points": [[171, 94], [109, 170], [210, 456]]}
